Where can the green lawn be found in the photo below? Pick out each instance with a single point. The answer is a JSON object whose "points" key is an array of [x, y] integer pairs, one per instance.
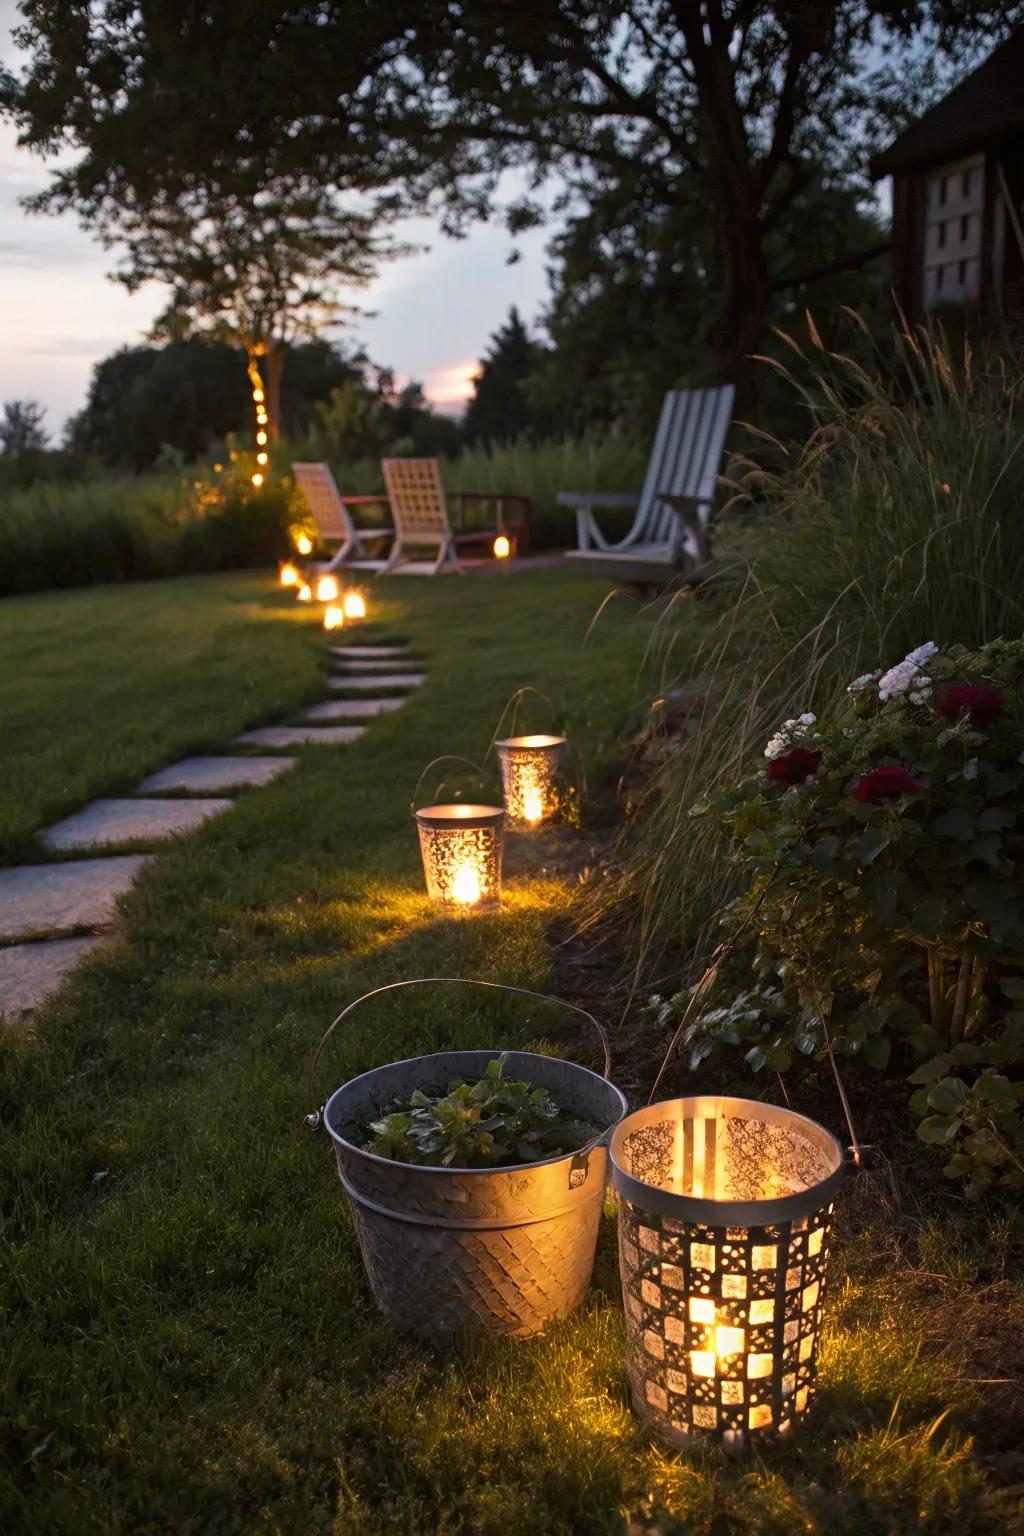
{"points": [[103, 685], [189, 1341]]}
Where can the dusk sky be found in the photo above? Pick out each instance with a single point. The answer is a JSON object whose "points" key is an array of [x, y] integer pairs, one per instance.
{"points": [[61, 314]]}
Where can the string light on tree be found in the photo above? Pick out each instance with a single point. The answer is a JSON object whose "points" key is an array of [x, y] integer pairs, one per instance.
{"points": [[259, 399]]}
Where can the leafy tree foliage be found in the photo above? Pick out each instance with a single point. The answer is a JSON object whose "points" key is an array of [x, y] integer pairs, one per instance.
{"points": [[725, 114], [500, 410], [21, 428]]}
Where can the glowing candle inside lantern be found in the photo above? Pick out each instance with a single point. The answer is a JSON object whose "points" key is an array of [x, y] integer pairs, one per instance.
{"points": [[333, 617], [303, 543], [305, 593], [327, 589], [355, 605], [502, 547], [289, 576], [533, 805], [466, 885]]}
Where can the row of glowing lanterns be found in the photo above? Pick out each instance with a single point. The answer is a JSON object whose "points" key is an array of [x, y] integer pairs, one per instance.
{"points": [[462, 845], [259, 400]]}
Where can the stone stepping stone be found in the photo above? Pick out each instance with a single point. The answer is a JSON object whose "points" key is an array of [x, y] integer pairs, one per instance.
{"points": [[374, 666], [339, 681], [301, 736], [352, 709], [207, 775], [368, 652], [106, 822], [50, 898], [30, 973]]}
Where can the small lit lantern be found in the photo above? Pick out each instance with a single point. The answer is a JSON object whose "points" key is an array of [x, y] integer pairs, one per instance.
{"points": [[462, 848], [502, 547], [725, 1211], [532, 775], [305, 593], [355, 605], [289, 575], [334, 618], [303, 544], [327, 589]]}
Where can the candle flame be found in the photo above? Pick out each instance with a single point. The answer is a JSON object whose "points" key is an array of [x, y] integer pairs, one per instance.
{"points": [[333, 617], [533, 805], [327, 589], [289, 576], [466, 885], [355, 605], [303, 543], [502, 547], [305, 593]]}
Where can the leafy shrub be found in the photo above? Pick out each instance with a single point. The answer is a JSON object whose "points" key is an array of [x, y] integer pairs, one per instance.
{"points": [[492, 1123], [58, 534], [880, 852], [899, 517]]}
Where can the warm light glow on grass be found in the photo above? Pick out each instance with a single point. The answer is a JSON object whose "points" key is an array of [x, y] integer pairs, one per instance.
{"points": [[303, 543], [334, 618], [327, 589], [355, 605], [502, 547], [289, 576]]}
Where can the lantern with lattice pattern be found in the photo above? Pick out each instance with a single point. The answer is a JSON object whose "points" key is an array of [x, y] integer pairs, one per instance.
{"points": [[462, 852], [725, 1210], [533, 778]]}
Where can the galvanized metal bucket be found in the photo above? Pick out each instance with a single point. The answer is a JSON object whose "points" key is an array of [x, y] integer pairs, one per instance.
{"points": [[456, 1251]]}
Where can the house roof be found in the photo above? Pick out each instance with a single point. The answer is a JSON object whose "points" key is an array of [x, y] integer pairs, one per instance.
{"points": [[983, 111]]}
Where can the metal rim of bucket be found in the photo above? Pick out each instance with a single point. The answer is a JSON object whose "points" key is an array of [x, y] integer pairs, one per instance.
{"points": [[726, 1213], [431, 1170], [456, 816]]}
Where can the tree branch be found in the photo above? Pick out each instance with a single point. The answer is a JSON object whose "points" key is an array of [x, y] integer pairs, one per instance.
{"points": [[845, 264]]}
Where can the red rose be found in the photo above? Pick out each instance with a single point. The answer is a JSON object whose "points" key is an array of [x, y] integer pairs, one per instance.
{"points": [[793, 767], [886, 783], [984, 705]]}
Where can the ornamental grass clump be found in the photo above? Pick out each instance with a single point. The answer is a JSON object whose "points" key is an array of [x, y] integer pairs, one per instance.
{"points": [[883, 914], [492, 1123]]}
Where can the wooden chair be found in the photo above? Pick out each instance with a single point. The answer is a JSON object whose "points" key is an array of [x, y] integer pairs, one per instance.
{"points": [[669, 532], [334, 521], [419, 508]]}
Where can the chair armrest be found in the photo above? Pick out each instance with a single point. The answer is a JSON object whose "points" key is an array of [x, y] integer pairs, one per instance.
{"points": [[687, 510], [588, 500]]}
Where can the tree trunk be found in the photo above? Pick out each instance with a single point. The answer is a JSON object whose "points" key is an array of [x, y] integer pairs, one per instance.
{"points": [[744, 305], [273, 371]]}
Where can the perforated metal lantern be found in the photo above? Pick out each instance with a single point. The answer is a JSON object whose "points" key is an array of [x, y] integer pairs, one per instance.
{"points": [[462, 851], [533, 775], [725, 1210]]}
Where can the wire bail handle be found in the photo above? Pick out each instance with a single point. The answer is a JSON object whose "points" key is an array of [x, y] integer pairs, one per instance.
{"points": [[513, 704], [446, 757], [313, 1119]]}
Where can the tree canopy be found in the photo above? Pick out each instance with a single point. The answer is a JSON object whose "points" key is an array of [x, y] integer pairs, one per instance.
{"points": [[715, 120], [501, 409], [21, 428]]}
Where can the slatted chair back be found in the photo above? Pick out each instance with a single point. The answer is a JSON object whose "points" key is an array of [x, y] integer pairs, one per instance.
{"points": [[329, 511], [417, 499], [684, 459]]}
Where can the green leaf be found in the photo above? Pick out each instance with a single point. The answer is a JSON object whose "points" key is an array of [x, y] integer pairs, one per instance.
{"points": [[958, 823], [948, 1095], [876, 1051], [996, 818], [931, 1071], [938, 1129], [870, 844], [997, 1090]]}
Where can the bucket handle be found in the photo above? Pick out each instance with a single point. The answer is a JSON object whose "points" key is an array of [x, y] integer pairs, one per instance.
{"points": [[446, 757], [314, 1117]]}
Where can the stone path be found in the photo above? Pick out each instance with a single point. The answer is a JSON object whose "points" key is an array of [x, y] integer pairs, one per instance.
{"points": [[53, 915]]}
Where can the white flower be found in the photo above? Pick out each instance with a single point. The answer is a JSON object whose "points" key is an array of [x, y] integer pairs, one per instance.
{"points": [[907, 677], [786, 734]]}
